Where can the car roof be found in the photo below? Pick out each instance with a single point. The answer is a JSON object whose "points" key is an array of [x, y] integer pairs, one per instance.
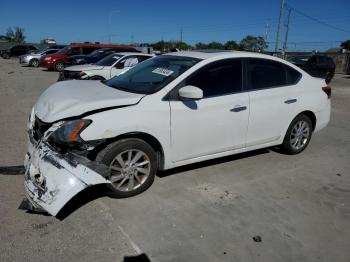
{"points": [[206, 54], [132, 53]]}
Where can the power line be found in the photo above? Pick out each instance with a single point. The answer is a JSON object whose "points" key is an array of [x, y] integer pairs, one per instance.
{"points": [[317, 20]]}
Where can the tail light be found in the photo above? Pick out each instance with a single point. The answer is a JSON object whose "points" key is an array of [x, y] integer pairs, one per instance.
{"points": [[328, 91]]}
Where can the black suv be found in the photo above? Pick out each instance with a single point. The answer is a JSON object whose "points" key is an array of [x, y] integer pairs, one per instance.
{"points": [[17, 50], [95, 56], [316, 65]]}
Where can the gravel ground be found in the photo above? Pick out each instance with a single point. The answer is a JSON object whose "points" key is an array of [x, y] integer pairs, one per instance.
{"points": [[297, 206]]}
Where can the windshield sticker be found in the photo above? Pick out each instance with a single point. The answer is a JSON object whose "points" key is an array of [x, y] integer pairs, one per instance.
{"points": [[163, 71]]}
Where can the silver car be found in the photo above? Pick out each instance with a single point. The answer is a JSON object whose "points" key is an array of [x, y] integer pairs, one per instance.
{"points": [[32, 59]]}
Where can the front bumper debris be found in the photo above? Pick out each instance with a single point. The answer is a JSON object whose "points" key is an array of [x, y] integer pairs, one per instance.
{"points": [[52, 178]]}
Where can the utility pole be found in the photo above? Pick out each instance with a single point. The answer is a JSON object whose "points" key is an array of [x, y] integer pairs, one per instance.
{"points": [[181, 32], [287, 31], [279, 26], [267, 32]]}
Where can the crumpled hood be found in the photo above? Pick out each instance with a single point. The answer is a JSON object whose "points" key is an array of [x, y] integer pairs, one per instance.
{"points": [[73, 98], [83, 68]]}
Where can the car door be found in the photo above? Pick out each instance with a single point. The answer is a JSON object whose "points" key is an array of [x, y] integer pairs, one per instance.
{"points": [[216, 123], [274, 95], [18, 50]]}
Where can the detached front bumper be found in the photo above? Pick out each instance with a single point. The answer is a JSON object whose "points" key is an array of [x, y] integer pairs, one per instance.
{"points": [[52, 178]]}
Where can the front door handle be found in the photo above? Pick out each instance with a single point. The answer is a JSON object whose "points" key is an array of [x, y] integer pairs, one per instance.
{"points": [[290, 101], [238, 108]]}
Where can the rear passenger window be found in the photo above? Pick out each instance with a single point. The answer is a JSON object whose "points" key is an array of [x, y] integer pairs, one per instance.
{"points": [[293, 76], [75, 51], [218, 78], [266, 73]]}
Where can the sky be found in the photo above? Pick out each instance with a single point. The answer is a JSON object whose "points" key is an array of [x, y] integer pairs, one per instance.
{"points": [[199, 21]]}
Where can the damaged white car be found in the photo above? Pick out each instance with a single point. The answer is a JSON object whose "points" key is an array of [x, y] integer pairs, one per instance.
{"points": [[168, 111]]}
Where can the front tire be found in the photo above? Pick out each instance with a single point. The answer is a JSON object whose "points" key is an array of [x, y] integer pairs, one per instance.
{"points": [[132, 165], [34, 63], [59, 66], [298, 135]]}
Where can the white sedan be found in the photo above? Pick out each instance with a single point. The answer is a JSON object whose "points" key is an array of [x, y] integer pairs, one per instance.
{"points": [[168, 111], [106, 68]]}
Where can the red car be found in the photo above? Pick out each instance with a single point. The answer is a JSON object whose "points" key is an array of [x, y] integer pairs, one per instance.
{"points": [[56, 61]]}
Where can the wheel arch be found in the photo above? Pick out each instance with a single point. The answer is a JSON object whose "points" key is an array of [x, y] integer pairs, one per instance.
{"points": [[96, 77], [310, 115], [150, 139], [307, 113], [33, 59]]}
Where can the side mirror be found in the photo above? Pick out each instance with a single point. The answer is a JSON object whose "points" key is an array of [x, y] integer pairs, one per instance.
{"points": [[191, 92]]}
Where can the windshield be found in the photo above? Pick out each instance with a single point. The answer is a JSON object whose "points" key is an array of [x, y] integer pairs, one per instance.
{"points": [[39, 52], [153, 74], [63, 50], [109, 60], [97, 53]]}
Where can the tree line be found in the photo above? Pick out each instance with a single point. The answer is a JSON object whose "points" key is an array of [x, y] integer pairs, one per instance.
{"points": [[249, 43]]}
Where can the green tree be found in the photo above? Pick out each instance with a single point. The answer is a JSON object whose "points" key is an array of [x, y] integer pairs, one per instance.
{"points": [[253, 43], [182, 45], [231, 45], [160, 45], [201, 46], [10, 35], [345, 45], [16, 36], [215, 45]]}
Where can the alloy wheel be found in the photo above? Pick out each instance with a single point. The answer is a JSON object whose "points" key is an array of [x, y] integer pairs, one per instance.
{"points": [[129, 170], [300, 135]]}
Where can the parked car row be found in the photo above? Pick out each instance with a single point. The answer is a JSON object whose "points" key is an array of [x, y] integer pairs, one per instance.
{"points": [[106, 68], [58, 60], [76, 62], [159, 113], [32, 59]]}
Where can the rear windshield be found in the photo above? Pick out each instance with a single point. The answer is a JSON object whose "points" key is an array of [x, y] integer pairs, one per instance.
{"points": [[152, 75]]}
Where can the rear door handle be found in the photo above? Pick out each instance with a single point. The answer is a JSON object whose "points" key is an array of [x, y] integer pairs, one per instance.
{"points": [[290, 101], [238, 108]]}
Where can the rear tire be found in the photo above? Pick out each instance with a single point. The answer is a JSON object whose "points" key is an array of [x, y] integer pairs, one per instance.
{"points": [[59, 66], [6, 55], [34, 62], [132, 163], [329, 77], [298, 135]]}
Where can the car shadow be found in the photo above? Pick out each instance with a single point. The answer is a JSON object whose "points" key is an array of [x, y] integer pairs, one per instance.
{"points": [[12, 170], [82, 198], [98, 191], [213, 162], [138, 258]]}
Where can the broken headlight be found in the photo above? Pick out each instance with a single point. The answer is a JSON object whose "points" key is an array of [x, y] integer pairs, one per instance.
{"points": [[68, 134]]}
